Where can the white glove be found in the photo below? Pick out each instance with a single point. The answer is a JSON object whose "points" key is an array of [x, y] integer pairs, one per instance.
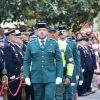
{"points": [[77, 77], [12, 77], [73, 84], [58, 80], [83, 70], [27, 81], [80, 82]]}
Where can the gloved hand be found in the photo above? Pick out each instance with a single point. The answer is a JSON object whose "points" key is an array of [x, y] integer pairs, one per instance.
{"points": [[12, 77], [27, 81], [80, 82], [83, 70], [58, 80], [77, 77], [73, 84]]}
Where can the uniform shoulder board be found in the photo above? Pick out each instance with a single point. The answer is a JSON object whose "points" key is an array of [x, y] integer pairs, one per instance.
{"points": [[8, 44], [72, 40], [80, 47], [52, 39], [32, 40]]}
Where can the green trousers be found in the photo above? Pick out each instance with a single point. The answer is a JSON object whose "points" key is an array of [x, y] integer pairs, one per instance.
{"points": [[44, 91]]}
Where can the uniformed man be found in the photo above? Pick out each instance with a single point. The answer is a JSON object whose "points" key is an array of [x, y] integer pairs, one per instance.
{"points": [[18, 45], [12, 63], [69, 92], [25, 36], [32, 35], [1, 57], [1, 32], [42, 52], [86, 63], [68, 63], [94, 66]]}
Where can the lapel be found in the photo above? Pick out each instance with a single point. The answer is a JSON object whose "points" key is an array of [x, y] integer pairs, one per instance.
{"points": [[47, 43], [37, 42]]}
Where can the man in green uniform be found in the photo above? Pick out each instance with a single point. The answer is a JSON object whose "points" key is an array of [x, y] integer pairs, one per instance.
{"points": [[45, 74], [69, 92], [68, 63]]}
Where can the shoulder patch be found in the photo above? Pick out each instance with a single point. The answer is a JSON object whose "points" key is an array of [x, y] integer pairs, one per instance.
{"points": [[52, 39], [32, 40]]}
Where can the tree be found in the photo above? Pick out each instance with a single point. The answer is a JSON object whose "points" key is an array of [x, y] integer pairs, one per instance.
{"points": [[13, 10], [74, 13]]}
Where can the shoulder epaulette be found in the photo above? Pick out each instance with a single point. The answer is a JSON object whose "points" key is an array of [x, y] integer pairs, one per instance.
{"points": [[8, 44], [32, 40], [52, 39]]}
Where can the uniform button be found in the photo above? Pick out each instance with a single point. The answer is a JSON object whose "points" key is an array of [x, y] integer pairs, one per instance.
{"points": [[16, 68], [42, 56], [43, 51], [42, 61], [42, 66], [84, 63]]}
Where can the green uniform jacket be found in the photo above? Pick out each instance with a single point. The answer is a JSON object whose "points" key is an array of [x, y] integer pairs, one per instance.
{"points": [[43, 69], [75, 54], [67, 58]]}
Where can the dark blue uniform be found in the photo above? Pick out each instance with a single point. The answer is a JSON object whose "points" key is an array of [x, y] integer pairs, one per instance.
{"points": [[94, 66], [20, 53], [24, 46], [86, 63], [1, 62], [12, 64]]}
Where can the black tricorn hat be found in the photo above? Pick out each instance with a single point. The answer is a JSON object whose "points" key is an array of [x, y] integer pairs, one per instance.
{"points": [[63, 27], [41, 25]]}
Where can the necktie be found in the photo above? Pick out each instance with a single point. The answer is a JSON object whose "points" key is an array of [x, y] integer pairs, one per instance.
{"points": [[42, 44]]}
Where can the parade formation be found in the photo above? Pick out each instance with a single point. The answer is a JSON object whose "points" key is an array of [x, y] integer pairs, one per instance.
{"points": [[58, 64]]}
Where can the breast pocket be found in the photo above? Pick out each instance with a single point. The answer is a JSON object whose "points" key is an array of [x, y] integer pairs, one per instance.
{"points": [[51, 54], [34, 55], [52, 68]]}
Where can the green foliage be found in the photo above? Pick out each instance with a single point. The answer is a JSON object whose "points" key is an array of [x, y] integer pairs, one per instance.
{"points": [[74, 13]]}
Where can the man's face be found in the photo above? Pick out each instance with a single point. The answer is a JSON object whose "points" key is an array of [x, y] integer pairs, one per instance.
{"points": [[53, 35], [84, 43], [64, 34], [19, 41], [79, 36], [2, 32], [42, 33], [25, 37], [2, 44], [13, 38]]}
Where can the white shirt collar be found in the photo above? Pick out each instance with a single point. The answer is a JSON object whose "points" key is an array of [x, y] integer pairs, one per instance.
{"points": [[64, 40], [42, 40], [18, 46], [11, 42]]}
